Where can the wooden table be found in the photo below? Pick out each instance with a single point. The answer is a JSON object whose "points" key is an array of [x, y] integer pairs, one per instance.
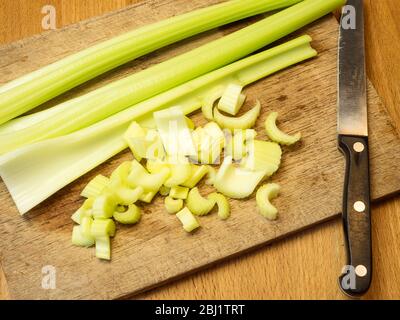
{"points": [[306, 265]]}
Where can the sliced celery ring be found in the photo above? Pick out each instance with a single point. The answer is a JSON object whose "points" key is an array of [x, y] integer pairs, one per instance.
{"points": [[130, 216], [84, 211], [188, 220], [246, 121], [224, 210], [234, 182], [173, 205], [148, 196], [103, 248], [197, 204], [179, 192], [104, 206], [95, 187], [79, 239], [208, 106], [232, 99], [179, 172], [102, 228], [263, 198], [164, 191], [275, 134], [149, 182], [263, 156]]}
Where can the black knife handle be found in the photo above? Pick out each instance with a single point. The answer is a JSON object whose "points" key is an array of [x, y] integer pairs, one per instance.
{"points": [[357, 275]]}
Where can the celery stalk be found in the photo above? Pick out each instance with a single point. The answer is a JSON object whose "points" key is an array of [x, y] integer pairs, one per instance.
{"points": [[71, 156], [110, 99], [33, 89]]}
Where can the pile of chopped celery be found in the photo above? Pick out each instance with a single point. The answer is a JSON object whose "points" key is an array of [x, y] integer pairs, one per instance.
{"points": [[147, 112], [76, 136], [172, 159]]}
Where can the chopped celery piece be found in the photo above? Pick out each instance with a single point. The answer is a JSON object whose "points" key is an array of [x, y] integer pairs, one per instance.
{"points": [[212, 173], [277, 135], [121, 173], [31, 90], [78, 239], [179, 172], [130, 216], [224, 210], [135, 137], [144, 143], [104, 206], [179, 192], [103, 248], [147, 197], [155, 148], [263, 198], [214, 131], [209, 142], [164, 191], [84, 211], [69, 157], [102, 228], [173, 205], [263, 156], [86, 225], [189, 123], [119, 95], [95, 187], [156, 165], [188, 220], [232, 99], [174, 132], [208, 105], [119, 186], [246, 121], [139, 177], [77, 216], [197, 173], [126, 196], [236, 183], [237, 145], [120, 208], [197, 204]]}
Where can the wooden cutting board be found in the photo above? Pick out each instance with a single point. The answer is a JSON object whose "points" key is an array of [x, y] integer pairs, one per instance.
{"points": [[157, 249]]}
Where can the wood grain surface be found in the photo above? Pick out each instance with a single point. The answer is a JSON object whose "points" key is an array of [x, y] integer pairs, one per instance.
{"points": [[306, 265]]}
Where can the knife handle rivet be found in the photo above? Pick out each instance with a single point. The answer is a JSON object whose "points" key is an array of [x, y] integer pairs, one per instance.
{"points": [[358, 147], [359, 206], [361, 270]]}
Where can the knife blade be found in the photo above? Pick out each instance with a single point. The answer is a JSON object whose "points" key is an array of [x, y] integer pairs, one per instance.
{"points": [[353, 142]]}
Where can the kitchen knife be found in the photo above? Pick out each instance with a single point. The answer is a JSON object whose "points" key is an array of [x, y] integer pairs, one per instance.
{"points": [[353, 142]]}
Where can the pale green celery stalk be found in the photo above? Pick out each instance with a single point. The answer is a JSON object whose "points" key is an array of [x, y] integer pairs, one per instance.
{"points": [[27, 121], [33, 89], [103, 102], [35, 172]]}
